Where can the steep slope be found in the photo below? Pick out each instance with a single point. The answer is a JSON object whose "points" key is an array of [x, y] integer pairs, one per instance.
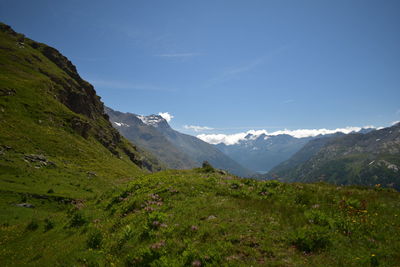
{"points": [[53, 128], [366, 159], [146, 136], [261, 153], [158, 133], [72, 194]]}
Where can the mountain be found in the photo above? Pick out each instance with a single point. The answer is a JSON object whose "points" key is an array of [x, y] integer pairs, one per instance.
{"points": [[262, 152], [146, 135], [176, 149], [53, 125], [305, 153], [74, 192], [366, 159]]}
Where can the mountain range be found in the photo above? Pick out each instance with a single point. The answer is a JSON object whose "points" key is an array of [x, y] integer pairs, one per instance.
{"points": [[175, 149], [366, 159], [260, 153], [75, 192]]}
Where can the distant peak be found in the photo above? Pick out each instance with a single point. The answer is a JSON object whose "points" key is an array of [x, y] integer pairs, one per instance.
{"points": [[154, 120]]}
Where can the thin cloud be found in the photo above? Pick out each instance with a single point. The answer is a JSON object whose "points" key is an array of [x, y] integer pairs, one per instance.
{"points": [[231, 139], [197, 128], [166, 115], [235, 71]]}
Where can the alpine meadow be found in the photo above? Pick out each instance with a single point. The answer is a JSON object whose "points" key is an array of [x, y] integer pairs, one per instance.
{"points": [[90, 183]]}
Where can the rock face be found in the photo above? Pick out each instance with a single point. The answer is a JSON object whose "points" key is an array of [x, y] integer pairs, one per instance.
{"points": [[39, 160], [60, 83], [365, 159]]}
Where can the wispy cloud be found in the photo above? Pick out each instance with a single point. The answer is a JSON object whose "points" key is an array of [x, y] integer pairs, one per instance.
{"points": [[231, 139], [178, 55], [121, 85], [166, 115], [234, 71], [197, 128]]}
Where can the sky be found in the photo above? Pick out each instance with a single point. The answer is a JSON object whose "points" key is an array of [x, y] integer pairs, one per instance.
{"points": [[229, 67]]}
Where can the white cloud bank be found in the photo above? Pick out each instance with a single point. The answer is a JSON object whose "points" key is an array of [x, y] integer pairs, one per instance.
{"points": [[168, 117], [231, 139], [197, 128]]}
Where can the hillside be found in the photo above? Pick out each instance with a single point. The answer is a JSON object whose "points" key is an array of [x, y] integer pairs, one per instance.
{"points": [[146, 136], [177, 150], [76, 193], [305, 153], [366, 159], [54, 133]]}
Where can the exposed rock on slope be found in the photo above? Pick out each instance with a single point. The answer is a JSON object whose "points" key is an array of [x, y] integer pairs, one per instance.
{"points": [[41, 85]]}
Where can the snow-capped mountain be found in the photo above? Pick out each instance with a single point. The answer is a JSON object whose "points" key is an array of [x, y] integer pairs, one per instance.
{"points": [[175, 149], [261, 152]]}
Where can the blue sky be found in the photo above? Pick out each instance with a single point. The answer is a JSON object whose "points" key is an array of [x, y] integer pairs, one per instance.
{"points": [[232, 66]]}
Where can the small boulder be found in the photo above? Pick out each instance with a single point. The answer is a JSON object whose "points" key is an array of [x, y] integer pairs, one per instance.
{"points": [[25, 205]]}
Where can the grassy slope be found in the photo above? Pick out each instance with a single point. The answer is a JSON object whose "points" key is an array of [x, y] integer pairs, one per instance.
{"points": [[33, 121], [124, 216], [176, 218]]}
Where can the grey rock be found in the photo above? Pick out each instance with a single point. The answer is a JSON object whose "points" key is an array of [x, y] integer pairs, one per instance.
{"points": [[25, 205]]}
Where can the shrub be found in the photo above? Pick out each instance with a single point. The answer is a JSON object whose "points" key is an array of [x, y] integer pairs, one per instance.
{"points": [[207, 167], [311, 239], [302, 199], [48, 224], [94, 240], [32, 225], [77, 220], [317, 217]]}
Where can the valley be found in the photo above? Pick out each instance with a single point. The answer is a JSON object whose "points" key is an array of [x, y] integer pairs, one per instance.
{"points": [[82, 184]]}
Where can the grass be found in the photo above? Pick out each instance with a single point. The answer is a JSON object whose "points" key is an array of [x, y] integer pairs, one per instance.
{"points": [[177, 218], [92, 206]]}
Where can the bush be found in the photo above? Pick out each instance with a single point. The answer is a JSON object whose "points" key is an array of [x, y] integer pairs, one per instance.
{"points": [[77, 220], [207, 167], [48, 224], [318, 217], [94, 240], [32, 225], [311, 239], [302, 199]]}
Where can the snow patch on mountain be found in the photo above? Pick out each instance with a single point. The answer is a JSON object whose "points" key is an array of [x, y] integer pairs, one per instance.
{"points": [[121, 124], [153, 120]]}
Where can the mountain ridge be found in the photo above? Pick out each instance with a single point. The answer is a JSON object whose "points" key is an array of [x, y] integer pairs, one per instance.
{"points": [[192, 149], [367, 159]]}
